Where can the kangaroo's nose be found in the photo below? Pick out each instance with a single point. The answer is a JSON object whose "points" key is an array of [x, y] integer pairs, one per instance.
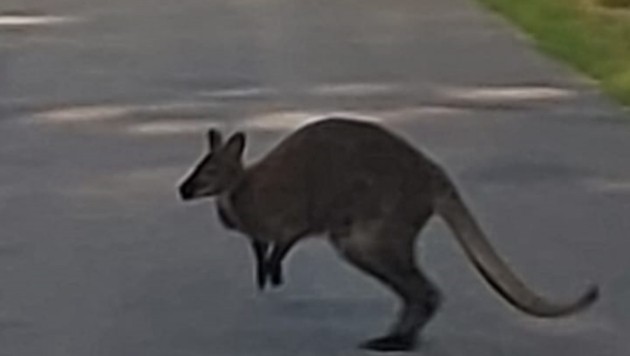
{"points": [[186, 192]]}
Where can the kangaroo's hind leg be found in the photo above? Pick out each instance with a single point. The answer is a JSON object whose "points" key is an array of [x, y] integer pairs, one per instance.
{"points": [[387, 253]]}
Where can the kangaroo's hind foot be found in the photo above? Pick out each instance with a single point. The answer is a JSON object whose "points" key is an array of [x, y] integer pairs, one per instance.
{"points": [[412, 319], [390, 343]]}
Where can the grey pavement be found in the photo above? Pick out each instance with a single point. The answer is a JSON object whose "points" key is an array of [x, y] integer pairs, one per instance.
{"points": [[103, 109]]}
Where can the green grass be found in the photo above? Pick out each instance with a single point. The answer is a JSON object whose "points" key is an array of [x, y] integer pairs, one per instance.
{"points": [[591, 35]]}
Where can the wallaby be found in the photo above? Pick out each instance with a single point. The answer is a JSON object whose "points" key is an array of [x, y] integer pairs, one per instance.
{"points": [[370, 192]]}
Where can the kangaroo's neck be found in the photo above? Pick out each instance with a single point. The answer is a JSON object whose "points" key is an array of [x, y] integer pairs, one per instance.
{"points": [[226, 212], [225, 205]]}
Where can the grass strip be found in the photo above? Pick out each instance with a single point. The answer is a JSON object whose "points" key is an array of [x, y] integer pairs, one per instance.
{"points": [[591, 35]]}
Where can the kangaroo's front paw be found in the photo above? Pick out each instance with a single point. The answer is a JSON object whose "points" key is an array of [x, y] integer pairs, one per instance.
{"points": [[390, 343], [261, 276], [276, 275]]}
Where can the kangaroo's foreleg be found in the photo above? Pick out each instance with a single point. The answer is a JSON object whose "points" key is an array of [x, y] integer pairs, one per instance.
{"points": [[260, 253], [387, 255], [274, 263]]}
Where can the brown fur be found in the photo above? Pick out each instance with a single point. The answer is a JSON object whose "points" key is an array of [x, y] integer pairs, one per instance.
{"points": [[371, 193]]}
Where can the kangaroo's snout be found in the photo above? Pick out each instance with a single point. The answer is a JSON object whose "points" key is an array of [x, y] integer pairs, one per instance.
{"points": [[192, 189], [186, 191]]}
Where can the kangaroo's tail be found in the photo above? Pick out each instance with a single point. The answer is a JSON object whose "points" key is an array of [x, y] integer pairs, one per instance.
{"points": [[494, 270]]}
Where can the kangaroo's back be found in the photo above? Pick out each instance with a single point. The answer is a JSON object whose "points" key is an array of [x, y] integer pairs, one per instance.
{"points": [[331, 149], [342, 136], [335, 166]]}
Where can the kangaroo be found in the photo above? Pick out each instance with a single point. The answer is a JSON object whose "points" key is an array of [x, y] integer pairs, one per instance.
{"points": [[371, 193]]}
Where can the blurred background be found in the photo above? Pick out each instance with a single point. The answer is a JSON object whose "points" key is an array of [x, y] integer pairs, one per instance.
{"points": [[104, 106]]}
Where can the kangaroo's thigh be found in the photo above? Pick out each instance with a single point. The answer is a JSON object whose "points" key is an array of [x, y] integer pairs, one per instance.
{"points": [[387, 254]]}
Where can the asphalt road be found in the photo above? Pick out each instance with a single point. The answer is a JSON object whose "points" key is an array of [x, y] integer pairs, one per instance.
{"points": [[103, 106]]}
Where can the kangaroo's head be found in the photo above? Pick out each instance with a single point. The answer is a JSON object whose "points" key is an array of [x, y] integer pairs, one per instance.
{"points": [[218, 170]]}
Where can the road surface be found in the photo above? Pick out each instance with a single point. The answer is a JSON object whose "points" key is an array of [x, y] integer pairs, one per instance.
{"points": [[103, 107]]}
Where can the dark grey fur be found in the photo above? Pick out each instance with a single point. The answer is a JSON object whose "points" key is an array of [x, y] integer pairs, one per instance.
{"points": [[371, 193]]}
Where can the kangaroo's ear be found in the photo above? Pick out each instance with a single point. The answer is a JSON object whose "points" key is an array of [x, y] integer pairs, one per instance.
{"points": [[235, 145], [215, 140]]}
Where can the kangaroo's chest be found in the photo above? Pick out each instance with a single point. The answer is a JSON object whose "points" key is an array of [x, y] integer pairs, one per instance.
{"points": [[263, 217], [226, 213]]}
